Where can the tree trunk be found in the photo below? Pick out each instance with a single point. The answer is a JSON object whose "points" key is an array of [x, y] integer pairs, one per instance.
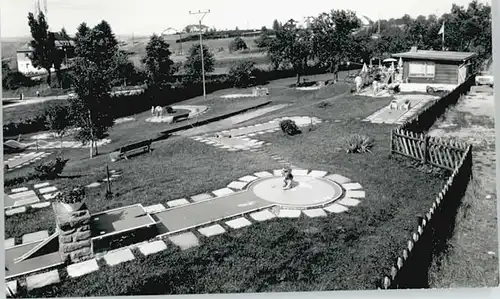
{"points": [[91, 149], [298, 79], [96, 149], [49, 77]]}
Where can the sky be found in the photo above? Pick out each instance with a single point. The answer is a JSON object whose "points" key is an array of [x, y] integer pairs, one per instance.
{"points": [[145, 17]]}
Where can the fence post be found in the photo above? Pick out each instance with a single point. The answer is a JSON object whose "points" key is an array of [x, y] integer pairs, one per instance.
{"points": [[392, 142], [426, 149]]}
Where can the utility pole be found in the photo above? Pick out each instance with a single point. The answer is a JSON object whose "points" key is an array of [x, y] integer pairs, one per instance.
{"points": [[203, 13]]}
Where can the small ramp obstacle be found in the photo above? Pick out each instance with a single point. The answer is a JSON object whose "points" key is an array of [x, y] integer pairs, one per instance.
{"points": [[38, 250]]}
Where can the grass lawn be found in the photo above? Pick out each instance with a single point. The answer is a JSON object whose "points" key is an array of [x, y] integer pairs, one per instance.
{"points": [[351, 250]]}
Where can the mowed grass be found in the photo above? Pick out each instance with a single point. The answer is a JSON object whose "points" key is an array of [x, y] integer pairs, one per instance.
{"points": [[348, 251]]}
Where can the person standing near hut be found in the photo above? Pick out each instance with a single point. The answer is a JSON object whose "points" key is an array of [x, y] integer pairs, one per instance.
{"points": [[359, 83]]}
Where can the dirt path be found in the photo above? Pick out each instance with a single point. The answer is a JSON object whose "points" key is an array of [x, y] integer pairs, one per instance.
{"points": [[472, 260]]}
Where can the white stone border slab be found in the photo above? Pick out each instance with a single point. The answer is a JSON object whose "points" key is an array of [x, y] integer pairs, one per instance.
{"points": [[82, 268]]}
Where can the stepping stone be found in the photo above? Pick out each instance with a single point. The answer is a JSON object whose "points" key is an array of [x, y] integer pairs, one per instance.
{"points": [[26, 201], [350, 202], [115, 175], [233, 149], [177, 202], [212, 230], [355, 194], [262, 215], [152, 247], [185, 240], [47, 189], [37, 186], [263, 174], [36, 236], [335, 208], [83, 268], [222, 192], [93, 185], [118, 257], [289, 213], [200, 197], [110, 179], [338, 178], [15, 211], [313, 213], [317, 173], [9, 242], [154, 208], [40, 205], [22, 189], [50, 195], [247, 178], [42, 279], [300, 171], [23, 194], [12, 285], [352, 186], [237, 185], [238, 223]]}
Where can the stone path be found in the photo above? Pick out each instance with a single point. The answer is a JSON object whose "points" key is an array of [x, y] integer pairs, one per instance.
{"points": [[241, 138], [20, 199], [24, 159]]}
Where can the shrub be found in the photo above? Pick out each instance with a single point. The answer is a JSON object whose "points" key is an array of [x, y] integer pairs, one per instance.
{"points": [[237, 44], [51, 169], [70, 196], [14, 80], [357, 143], [240, 74], [289, 127]]}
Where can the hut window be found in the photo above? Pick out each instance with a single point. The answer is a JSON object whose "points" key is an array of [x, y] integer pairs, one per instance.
{"points": [[422, 69]]}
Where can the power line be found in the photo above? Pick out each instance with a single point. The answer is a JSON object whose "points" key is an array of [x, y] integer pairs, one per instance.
{"points": [[203, 13]]}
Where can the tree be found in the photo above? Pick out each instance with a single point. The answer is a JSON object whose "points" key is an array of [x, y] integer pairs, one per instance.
{"points": [[291, 47], [91, 109], [264, 40], [237, 44], [123, 68], [333, 39], [276, 25], [159, 66], [57, 120], [97, 67], [43, 43], [241, 73], [193, 67]]}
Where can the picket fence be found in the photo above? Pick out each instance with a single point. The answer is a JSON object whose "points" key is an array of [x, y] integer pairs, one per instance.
{"points": [[410, 269]]}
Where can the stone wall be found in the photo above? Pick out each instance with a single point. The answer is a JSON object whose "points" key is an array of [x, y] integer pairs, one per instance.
{"points": [[75, 243]]}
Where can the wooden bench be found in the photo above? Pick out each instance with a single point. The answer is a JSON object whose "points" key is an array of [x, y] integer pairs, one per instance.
{"points": [[124, 151]]}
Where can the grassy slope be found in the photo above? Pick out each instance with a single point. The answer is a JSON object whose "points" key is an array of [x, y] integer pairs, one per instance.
{"points": [[344, 251]]}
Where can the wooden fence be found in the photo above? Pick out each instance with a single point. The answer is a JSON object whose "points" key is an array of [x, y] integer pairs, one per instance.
{"points": [[428, 150], [422, 121], [410, 269], [434, 228]]}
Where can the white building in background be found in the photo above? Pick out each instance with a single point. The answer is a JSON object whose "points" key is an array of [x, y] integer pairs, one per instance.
{"points": [[24, 64]]}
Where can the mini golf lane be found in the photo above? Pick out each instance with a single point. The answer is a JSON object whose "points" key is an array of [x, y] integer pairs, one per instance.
{"points": [[306, 192], [398, 116]]}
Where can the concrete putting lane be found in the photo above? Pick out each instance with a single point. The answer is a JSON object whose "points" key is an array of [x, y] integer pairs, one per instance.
{"points": [[197, 214]]}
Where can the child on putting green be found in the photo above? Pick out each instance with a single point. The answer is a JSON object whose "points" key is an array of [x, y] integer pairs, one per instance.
{"points": [[287, 173]]}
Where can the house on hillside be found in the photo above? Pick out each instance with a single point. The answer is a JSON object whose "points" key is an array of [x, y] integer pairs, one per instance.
{"points": [[435, 68], [65, 45]]}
